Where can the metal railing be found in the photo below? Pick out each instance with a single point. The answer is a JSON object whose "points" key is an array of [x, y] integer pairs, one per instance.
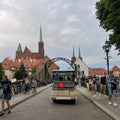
{"points": [[18, 86]]}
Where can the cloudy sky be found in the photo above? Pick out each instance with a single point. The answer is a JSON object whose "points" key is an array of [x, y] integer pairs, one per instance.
{"points": [[64, 23]]}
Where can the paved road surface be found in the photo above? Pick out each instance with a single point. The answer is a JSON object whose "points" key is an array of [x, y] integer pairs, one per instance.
{"points": [[40, 107]]}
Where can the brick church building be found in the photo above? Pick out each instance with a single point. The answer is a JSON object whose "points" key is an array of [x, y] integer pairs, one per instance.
{"points": [[29, 59]]}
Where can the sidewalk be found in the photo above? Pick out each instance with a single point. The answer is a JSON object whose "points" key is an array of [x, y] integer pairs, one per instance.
{"points": [[102, 102], [19, 98]]}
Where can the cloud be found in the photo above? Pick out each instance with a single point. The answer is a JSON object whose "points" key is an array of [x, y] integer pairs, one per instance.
{"points": [[64, 23], [70, 31], [73, 18]]}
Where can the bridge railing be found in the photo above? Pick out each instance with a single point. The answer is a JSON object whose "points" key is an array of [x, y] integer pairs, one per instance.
{"points": [[18, 86]]}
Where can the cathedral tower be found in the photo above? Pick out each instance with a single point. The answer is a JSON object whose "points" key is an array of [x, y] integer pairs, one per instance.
{"points": [[41, 46], [19, 52], [73, 59], [79, 56]]}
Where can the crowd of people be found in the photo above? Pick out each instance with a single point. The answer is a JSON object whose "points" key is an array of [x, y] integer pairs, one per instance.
{"points": [[26, 84], [106, 84]]}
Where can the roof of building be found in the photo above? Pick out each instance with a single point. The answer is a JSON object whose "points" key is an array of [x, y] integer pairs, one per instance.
{"points": [[115, 68], [19, 48], [26, 50], [9, 64], [97, 71]]}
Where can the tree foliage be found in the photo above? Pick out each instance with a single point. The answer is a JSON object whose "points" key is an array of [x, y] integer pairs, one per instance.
{"points": [[108, 12], [33, 70], [21, 72], [1, 72]]}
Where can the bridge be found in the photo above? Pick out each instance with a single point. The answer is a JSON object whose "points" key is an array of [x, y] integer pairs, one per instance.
{"points": [[47, 64]]}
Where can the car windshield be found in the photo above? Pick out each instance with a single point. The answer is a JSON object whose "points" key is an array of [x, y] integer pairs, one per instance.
{"points": [[63, 75]]}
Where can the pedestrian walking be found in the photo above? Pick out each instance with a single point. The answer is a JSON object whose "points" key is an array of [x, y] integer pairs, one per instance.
{"points": [[23, 84], [33, 85], [76, 81], [7, 93], [112, 88], [103, 84], [27, 85], [94, 86], [87, 83], [90, 83]]}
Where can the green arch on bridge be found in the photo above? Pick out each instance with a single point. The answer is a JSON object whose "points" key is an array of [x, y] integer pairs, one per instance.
{"points": [[47, 64], [51, 61]]}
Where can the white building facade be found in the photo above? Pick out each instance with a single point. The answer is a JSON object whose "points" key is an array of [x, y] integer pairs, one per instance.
{"points": [[81, 67]]}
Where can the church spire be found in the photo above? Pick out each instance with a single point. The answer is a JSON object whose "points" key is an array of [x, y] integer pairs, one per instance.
{"points": [[73, 59], [19, 48], [19, 52], [79, 56], [40, 45], [41, 34], [73, 51]]}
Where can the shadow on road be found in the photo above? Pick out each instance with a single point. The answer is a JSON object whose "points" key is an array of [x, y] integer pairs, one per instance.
{"points": [[65, 102]]}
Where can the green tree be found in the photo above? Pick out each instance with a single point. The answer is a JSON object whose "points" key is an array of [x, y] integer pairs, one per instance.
{"points": [[108, 12], [21, 72], [33, 70], [1, 72]]}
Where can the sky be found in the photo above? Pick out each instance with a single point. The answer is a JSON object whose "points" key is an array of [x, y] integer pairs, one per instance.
{"points": [[65, 23]]}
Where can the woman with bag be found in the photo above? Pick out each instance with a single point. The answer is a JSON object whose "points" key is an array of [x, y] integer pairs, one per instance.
{"points": [[7, 93]]}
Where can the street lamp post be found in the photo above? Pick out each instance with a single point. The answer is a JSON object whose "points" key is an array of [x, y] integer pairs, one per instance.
{"points": [[107, 48]]}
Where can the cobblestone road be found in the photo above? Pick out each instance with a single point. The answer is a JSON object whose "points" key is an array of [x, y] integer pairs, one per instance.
{"points": [[41, 107]]}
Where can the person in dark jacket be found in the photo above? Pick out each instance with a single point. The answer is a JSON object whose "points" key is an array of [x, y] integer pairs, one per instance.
{"points": [[7, 92], [103, 84]]}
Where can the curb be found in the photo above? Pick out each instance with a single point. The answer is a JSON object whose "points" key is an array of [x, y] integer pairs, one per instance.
{"points": [[104, 109]]}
